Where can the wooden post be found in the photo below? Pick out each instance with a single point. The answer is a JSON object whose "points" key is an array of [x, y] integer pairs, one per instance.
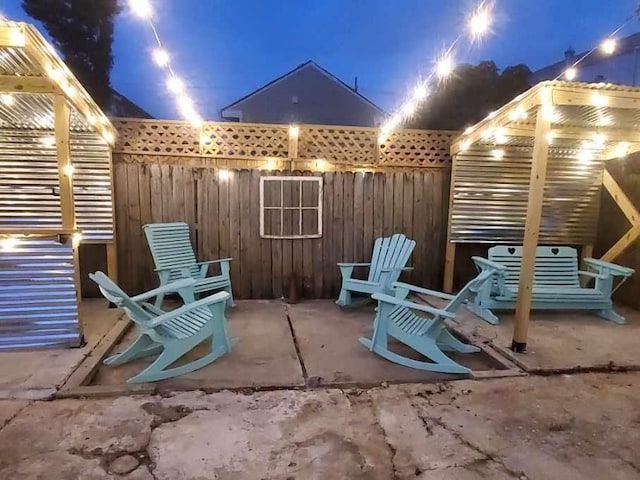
{"points": [[62, 115], [294, 134], [531, 231], [450, 251]]}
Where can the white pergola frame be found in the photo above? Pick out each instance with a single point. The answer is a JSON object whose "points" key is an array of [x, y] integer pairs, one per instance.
{"points": [[538, 105]]}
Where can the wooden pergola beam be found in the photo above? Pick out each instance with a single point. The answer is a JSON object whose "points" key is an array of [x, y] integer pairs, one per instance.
{"points": [[531, 232], [630, 212], [568, 96], [12, 36], [15, 84]]}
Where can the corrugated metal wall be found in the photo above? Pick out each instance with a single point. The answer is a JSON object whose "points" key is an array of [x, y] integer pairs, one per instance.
{"points": [[29, 194], [490, 198], [37, 296]]}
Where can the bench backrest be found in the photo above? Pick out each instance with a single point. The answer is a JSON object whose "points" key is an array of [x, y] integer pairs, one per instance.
{"points": [[555, 266], [390, 253], [170, 245]]}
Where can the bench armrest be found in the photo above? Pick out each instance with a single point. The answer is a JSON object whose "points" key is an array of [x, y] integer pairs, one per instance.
{"points": [[215, 298], [608, 268], [172, 287], [424, 291], [383, 297], [591, 274]]}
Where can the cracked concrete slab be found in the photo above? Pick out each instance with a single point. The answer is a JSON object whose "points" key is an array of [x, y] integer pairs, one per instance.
{"points": [[263, 354], [584, 426]]}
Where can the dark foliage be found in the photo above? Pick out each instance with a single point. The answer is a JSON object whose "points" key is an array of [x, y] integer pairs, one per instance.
{"points": [[83, 31], [469, 94]]}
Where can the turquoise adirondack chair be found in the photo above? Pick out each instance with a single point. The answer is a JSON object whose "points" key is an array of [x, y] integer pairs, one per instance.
{"points": [[556, 283], [389, 259], [421, 327], [174, 259], [169, 334]]}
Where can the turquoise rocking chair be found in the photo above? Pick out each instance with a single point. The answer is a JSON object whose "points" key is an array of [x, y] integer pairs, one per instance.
{"points": [[169, 334], [421, 327]]}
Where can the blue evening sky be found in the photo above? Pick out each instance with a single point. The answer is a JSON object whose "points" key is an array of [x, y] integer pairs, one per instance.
{"points": [[224, 49]]}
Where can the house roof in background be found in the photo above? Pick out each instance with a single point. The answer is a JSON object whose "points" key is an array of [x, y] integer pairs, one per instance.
{"points": [[309, 64], [122, 106], [624, 45]]}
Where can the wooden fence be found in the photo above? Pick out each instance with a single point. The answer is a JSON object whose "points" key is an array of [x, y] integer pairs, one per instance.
{"points": [[224, 216]]}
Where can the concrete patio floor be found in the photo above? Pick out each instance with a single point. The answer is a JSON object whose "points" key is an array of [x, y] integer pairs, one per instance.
{"points": [[563, 341], [582, 426], [313, 343]]}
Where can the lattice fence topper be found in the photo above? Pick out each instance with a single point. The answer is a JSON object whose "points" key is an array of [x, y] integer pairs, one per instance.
{"points": [[340, 145], [417, 148], [347, 145], [244, 140], [156, 137]]}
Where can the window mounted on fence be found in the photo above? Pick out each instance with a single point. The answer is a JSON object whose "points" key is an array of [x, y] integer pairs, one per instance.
{"points": [[290, 207]]}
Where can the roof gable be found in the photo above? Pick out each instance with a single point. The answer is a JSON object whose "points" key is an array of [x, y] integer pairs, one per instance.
{"points": [[309, 64]]}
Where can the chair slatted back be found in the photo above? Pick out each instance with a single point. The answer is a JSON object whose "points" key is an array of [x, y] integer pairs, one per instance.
{"points": [[472, 287], [390, 253], [171, 247], [117, 296], [554, 267]]}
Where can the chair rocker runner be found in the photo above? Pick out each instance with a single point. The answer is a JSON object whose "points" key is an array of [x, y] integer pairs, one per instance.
{"points": [[556, 284], [173, 256], [169, 334], [390, 255], [421, 327]]}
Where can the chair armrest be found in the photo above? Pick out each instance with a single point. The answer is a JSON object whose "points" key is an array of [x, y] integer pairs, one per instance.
{"points": [[404, 269], [172, 287], [611, 268], [591, 274], [209, 262], [215, 298], [483, 263], [383, 297], [343, 264], [424, 291]]}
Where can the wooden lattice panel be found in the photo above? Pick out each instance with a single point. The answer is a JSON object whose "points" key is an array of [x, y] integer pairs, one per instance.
{"points": [[244, 140], [157, 137], [346, 145], [417, 148]]}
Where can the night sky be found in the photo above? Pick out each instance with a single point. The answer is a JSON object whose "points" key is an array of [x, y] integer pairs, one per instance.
{"points": [[224, 49]]}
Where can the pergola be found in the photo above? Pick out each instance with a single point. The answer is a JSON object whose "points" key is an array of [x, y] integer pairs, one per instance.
{"points": [[55, 189], [532, 171]]}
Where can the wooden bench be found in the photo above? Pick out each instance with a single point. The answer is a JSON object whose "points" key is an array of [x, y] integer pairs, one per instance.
{"points": [[556, 284]]}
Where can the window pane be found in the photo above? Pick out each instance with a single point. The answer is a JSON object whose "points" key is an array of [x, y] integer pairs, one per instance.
{"points": [[272, 222], [310, 222], [271, 193], [310, 194], [291, 220]]}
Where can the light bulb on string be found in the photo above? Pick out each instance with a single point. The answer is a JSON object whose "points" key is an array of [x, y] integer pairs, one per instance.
{"points": [[570, 73], [480, 22], [142, 8], [420, 92], [160, 56], [7, 99], [175, 85], [444, 67], [608, 46]]}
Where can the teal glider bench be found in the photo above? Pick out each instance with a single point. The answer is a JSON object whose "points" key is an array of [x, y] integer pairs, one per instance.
{"points": [[170, 334], [174, 259], [556, 284], [389, 259], [421, 327]]}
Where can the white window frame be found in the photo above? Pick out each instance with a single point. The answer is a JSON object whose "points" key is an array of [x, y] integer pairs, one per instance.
{"points": [[282, 208]]}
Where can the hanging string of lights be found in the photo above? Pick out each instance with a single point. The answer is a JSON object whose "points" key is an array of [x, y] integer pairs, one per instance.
{"points": [[478, 25], [608, 46], [144, 10]]}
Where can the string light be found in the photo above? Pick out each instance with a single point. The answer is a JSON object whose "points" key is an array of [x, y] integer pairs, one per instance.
{"points": [[69, 169], [7, 99], [48, 141], [224, 174], [478, 25], [608, 46], [161, 57], [497, 153], [622, 149], [444, 67], [9, 243], [570, 73], [294, 130]]}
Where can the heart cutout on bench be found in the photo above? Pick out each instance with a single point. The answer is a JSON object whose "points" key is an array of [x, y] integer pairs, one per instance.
{"points": [[555, 251], [511, 250]]}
